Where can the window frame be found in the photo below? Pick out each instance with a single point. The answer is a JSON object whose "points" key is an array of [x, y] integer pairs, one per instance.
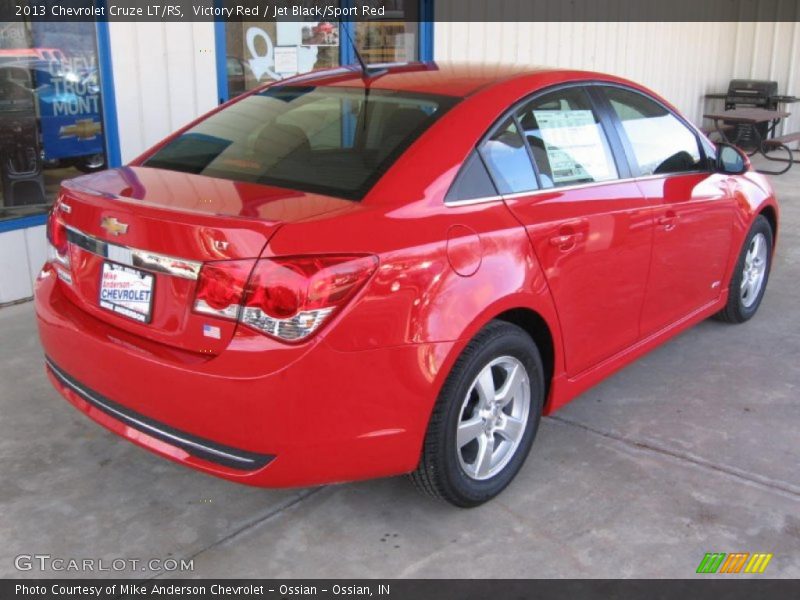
{"points": [[618, 151], [706, 157]]}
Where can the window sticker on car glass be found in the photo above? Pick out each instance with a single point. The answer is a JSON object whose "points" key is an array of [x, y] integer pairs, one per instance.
{"points": [[574, 147]]}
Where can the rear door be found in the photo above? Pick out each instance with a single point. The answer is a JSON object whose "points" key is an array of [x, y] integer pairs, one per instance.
{"points": [[588, 222], [692, 207]]}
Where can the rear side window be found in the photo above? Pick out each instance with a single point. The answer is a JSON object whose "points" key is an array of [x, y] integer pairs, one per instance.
{"points": [[472, 181], [508, 161], [661, 144], [335, 141], [567, 140]]}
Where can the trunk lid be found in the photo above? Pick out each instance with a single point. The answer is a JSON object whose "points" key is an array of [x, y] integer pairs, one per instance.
{"points": [[167, 224]]}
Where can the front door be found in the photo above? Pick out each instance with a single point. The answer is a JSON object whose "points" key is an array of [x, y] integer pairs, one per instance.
{"points": [[692, 209]]}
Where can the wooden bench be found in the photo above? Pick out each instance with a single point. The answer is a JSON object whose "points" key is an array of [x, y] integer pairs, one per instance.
{"points": [[781, 142], [707, 131]]}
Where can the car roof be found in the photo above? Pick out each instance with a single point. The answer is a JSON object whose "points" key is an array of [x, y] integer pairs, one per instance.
{"points": [[447, 79]]}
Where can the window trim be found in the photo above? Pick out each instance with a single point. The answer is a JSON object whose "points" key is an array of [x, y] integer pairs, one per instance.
{"points": [[624, 171], [616, 122], [623, 155]]}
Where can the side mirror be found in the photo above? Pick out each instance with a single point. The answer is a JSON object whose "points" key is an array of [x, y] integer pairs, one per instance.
{"points": [[731, 160]]}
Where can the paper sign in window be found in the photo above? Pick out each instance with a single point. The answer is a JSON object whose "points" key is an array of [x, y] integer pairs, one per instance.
{"points": [[574, 146]]}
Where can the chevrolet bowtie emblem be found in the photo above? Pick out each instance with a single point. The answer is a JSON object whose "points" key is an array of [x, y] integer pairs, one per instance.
{"points": [[113, 227]]}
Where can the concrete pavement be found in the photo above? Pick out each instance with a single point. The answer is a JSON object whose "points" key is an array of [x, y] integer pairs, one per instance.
{"points": [[692, 449]]}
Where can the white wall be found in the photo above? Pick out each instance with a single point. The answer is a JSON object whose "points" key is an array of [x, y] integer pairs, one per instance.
{"points": [[681, 61], [22, 254], [164, 76], [165, 73]]}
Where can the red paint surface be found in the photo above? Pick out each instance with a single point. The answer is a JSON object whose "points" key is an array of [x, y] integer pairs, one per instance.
{"points": [[612, 270]]}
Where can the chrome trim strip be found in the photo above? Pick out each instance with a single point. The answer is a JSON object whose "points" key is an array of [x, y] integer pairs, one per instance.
{"points": [[223, 457], [566, 188], [134, 257]]}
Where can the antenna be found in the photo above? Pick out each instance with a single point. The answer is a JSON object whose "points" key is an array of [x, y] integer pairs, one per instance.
{"points": [[366, 72]]}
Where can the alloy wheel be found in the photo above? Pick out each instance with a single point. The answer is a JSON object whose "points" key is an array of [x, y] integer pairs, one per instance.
{"points": [[755, 268], [493, 418]]}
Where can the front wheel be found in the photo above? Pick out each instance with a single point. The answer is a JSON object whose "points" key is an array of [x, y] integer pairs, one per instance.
{"points": [[749, 280], [485, 419]]}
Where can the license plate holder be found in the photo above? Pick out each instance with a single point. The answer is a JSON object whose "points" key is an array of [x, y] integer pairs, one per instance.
{"points": [[126, 291]]}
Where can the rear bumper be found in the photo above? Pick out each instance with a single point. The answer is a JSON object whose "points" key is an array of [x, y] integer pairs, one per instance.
{"points": [[192, 445], [259, 413]]}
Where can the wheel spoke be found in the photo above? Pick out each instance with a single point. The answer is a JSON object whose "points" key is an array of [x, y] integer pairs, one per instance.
{"points": [[511, 429], [757, 242], [511, 386], [485, 387], [747, 287], [483, 461], [469, 430]]}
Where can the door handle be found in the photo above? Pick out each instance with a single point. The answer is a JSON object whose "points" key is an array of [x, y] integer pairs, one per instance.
{"points": [[669, 221], [565, 241]]}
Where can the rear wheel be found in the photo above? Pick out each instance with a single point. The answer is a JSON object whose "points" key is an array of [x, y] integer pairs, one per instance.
{"points": [[749, 280], [485, 419]]}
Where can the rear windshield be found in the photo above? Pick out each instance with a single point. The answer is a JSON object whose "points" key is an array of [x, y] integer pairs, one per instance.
{"points": [[319, 139]]}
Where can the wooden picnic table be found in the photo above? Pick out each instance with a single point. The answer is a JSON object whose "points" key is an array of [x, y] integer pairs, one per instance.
{"points": [[751, 117]]}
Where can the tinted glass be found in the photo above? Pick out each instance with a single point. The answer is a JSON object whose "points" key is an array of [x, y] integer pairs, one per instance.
{"points": [[566, 139], [472, 181], [51, 112], [334, 141], [508, 160], [660, 142]]}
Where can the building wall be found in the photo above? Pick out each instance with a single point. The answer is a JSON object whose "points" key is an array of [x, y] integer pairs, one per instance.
{"points": [[165, 73], [164, 76], [681, 61]]}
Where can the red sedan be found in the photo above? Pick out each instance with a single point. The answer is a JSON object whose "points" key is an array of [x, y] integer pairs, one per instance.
{"points": [[344, 276]]}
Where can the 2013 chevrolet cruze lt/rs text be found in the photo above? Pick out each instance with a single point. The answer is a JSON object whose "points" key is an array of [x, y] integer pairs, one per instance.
{"points": [[342, 276]]}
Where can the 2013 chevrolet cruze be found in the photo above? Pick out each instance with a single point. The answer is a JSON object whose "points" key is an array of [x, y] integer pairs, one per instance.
{"points": [[343, 276]]}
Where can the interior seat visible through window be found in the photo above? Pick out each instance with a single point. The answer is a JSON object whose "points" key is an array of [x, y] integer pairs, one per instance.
{"points": [[566, 139]]}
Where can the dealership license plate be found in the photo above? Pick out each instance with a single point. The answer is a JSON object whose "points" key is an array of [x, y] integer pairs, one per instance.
{"points": [[127, 291]]}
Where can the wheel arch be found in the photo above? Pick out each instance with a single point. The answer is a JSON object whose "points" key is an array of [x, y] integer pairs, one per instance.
{"points": [[538, 320], [771, 215], [537, 328]]}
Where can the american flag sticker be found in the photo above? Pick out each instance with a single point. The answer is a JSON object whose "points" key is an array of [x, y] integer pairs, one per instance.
{"points": [[211, 331]]}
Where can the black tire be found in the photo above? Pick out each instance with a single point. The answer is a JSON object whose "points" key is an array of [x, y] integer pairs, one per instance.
{"points": [[735, 310], [440, 473], [90, 164]]}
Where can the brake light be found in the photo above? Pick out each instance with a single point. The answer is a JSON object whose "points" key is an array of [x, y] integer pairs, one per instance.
{"points": [[57, 236], [220, 288], [286, 298]]}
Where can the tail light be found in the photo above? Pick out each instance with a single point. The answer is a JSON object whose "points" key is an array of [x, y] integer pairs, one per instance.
{"points": [[57, 236], [221, 288], [286, 298]]}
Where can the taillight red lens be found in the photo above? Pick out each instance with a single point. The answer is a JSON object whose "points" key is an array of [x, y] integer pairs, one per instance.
{"points": [[286, 298], [57, 233], [220, 287], [290, 298]]}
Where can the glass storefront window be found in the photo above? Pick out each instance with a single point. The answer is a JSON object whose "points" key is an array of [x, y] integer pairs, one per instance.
{"points": [[259, 53], [394, 38], [50, 111]]}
